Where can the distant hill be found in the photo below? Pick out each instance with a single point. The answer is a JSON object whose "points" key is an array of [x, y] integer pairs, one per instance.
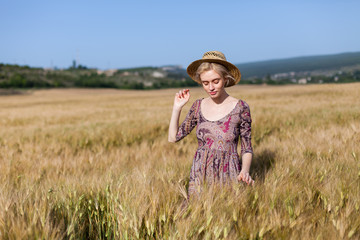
{"points": [[338, 68], [14, 76], [299, 64]]}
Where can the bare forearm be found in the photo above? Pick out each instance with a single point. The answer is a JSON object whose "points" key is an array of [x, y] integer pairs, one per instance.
{"points": [[181, 98], [174, 124], [246, 162]]}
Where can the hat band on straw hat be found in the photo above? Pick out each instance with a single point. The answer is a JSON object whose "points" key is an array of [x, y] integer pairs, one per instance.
{"points": [[214, 57]]}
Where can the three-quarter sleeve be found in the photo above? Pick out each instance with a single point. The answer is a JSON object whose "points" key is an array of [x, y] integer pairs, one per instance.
{"points": [[245, 129], [189, 122]]}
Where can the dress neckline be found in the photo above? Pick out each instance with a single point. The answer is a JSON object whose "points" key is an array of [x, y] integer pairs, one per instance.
{"points": [[220, 118]]}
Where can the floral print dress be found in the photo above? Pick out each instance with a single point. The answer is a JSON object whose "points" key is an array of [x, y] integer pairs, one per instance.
{"points": [[216, 159]]}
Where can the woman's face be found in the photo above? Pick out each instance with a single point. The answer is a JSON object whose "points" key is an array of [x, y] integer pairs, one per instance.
{"points": [[212, 83]]}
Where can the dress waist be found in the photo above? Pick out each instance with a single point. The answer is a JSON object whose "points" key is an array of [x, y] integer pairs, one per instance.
{"points": [[229, 151]]}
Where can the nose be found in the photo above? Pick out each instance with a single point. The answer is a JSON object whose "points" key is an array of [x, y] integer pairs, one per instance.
{"points": [[211, 85]]}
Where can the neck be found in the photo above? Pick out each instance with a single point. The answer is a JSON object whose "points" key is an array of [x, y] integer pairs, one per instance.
{"points": [[221, 98]]}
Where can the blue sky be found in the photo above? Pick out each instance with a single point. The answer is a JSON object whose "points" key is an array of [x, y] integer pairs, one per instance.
{"points": [[120, 34]]}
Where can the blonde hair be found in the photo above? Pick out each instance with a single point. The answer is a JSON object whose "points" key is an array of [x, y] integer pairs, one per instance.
{"points": [[220, 69]]}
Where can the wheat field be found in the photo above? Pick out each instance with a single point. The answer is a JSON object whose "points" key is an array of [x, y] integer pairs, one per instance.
{"points": [[96, 164]]}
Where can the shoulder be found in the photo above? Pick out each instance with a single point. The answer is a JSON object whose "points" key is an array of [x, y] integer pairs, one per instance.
{"points": [[244, 109], [196, 105], [232, 99], [243, 104], [197, 101], [240, 103]]}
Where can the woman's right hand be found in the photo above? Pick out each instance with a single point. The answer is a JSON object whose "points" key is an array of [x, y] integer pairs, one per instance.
{"points": [[245, 177], [181, 98]]}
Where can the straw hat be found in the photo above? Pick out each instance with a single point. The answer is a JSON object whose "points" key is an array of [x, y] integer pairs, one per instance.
{"points": [[214, 57]]}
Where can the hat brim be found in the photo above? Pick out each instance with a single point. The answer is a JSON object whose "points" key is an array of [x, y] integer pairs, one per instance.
{"points": [[234, 71]]}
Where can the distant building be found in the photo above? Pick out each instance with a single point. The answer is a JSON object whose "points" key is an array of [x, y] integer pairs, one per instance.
{"points": [[148, 84], [157, 74], [126, 73], [172, 68], [108, 73], [302, 81], [279, 76]]}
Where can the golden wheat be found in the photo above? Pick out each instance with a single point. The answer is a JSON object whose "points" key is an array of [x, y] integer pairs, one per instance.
{"points": [[95, 164]]}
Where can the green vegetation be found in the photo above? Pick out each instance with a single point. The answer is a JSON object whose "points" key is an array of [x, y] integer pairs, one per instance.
{"points": [[339, 68], [14, 76]]}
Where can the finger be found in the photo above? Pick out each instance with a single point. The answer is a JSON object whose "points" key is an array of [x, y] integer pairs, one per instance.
{"points": [[251, 181], [247, 178], [243, 179]]}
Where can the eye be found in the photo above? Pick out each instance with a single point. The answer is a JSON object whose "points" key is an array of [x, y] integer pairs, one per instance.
{"points": [[205, 83], [216, 81]]}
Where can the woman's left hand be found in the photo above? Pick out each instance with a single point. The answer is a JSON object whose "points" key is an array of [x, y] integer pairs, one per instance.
{"points": [[245, 177]]}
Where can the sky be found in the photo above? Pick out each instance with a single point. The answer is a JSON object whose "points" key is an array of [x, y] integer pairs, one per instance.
{"points": [[123, 34]]}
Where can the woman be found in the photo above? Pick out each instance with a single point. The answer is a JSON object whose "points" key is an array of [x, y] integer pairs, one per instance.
{"points": [[220, 120]]}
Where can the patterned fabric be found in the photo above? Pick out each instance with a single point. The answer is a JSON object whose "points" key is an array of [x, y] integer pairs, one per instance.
{"points": [[216, 159]]}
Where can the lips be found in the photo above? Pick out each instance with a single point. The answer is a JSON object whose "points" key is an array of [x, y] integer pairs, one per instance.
{"points": [[212, 93]]}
